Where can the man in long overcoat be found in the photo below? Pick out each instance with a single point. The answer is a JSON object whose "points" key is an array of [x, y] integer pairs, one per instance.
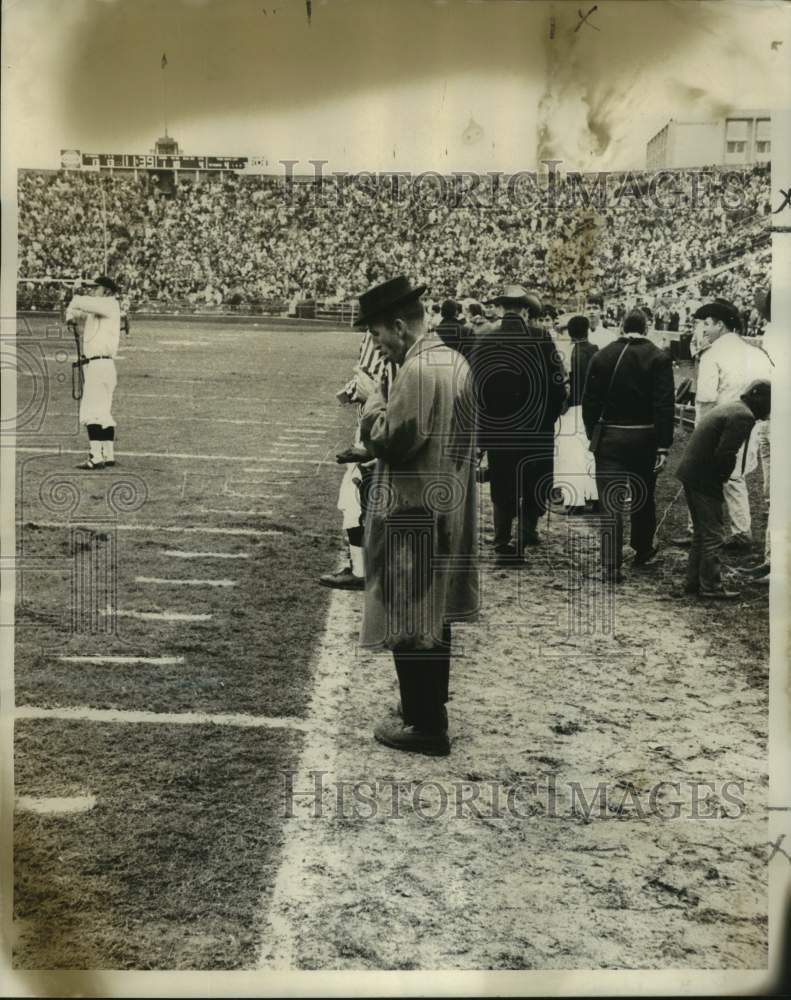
{"points": [[520, 391], [420, 531]]}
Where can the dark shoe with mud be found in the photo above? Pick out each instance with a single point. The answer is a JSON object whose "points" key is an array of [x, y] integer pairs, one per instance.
{"points": [[720, 595], [756, 572], [399, 711], [738, 543], [409, 739], [645, 559], [344, 580], [507, 557]]}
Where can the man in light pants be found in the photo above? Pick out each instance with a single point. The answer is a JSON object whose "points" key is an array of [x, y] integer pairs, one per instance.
{"points": [[99, 346], [726, 369]]}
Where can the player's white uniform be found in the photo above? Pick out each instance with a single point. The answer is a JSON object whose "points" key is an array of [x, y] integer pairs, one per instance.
{"points": [[100, 345]]}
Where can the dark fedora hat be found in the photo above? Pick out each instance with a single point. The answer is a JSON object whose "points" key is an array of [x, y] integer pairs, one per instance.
{"points": [[516, 295], [104, 282], [382, 298], [723, 310]]}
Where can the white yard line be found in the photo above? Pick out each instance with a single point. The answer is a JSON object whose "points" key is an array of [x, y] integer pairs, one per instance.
{"points": [[159, 616], [242, 513], [177, 455], [186, 582], [158, 661], [178, 554], [243, 532], [54, 805], [86, 714], [291, 892]]}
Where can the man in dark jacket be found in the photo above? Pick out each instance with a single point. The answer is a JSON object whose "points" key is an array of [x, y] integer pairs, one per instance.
{"points": [[452, 331], [707, 463], [519, 383], [628, 406]]}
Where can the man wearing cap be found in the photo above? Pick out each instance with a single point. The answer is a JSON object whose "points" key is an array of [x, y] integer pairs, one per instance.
{"points": [[420, 535], [706, 465], [102, 331], [520, 388], [727, 367], [628, 406]]}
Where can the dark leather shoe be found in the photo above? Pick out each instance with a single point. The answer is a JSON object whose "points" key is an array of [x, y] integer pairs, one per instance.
{"points": [[531, 538], [399, 711], [508, 558], [738, 543], [645, 559], [409, 739], [344, 580], [720, 595]]}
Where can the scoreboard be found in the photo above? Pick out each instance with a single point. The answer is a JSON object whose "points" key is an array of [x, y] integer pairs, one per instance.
{"points": [[150, 161]]}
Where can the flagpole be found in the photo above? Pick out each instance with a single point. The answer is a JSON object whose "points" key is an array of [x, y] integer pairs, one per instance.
{"points": [[164, 64]]}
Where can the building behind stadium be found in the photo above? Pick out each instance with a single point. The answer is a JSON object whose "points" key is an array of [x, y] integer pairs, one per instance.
{"points": [[741, 139]]}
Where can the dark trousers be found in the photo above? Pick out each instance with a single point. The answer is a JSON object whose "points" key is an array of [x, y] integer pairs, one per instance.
{"points": [[625, 472], [423, 676], [704, 568], [518, 486]]}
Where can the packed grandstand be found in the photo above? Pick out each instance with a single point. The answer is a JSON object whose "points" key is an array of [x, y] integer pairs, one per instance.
{"points": [[258, 244]]}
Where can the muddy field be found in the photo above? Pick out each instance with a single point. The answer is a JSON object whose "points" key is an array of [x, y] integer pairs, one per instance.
{"points": [[604, 804]]}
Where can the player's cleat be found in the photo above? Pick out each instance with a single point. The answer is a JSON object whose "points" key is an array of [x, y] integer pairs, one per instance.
{"points": [[89, 464], [110, 464], [343, 580]]}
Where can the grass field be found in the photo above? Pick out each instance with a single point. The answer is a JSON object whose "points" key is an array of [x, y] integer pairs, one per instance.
{"points": [[170, 866], [165, 759]]}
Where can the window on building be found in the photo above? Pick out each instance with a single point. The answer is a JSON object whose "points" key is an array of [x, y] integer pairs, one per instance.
{"points": [[736, 147], [764, 146]]}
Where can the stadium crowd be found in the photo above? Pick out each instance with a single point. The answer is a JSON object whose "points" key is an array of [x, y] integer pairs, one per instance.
{"points": [[263, 245]]}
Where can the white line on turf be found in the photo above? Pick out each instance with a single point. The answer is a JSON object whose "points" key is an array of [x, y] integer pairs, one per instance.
{"points": [[177, 455], [244, 532], [178, 554], [192, 420], [86, 714], [55, 805], [159, 616], [159, 661], [242, 513], [186, 582], [288, 899]]}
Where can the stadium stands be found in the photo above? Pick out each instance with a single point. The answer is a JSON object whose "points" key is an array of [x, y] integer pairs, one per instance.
{"points": [[256, 244]]}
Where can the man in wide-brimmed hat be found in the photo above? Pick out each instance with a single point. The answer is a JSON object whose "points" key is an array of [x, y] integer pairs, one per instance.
{"points": [[420, 533], [519, 381], [727, 367]]}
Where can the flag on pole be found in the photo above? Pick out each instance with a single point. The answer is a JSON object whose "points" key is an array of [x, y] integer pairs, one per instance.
{"points": [[164, 60]]}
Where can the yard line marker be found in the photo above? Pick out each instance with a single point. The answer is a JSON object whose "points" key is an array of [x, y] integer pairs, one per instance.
{"points": [[159, 616], [179, 554], [160, 661], [185, 582], [242, 513], [244, 532], [54, 805], [176, 455], [86, 714]]}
